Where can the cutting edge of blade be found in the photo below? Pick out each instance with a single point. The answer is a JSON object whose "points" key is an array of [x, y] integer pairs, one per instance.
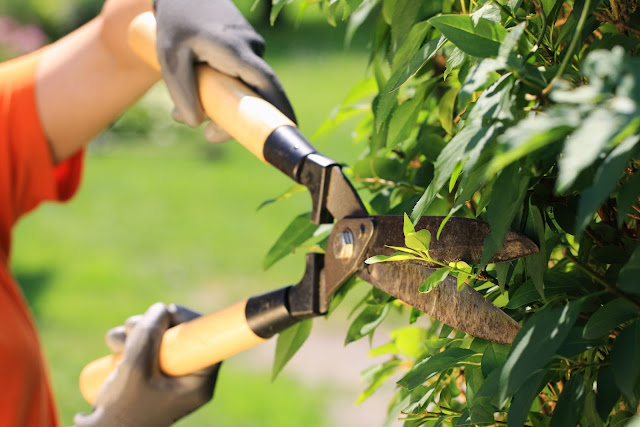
{"points": [[466, 310]]}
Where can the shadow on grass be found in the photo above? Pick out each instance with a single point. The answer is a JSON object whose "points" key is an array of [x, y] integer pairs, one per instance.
{"points": [[33, 285]]}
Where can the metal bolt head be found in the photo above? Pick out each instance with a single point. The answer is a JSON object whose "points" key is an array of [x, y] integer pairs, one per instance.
{"points": [[343, 245]]}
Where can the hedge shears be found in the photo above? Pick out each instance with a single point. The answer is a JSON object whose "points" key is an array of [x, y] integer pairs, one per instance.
{"points": [[356, 236]]}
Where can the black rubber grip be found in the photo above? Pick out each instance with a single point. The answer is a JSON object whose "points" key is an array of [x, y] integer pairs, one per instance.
{"points": [[267, 314], [286, 148]]}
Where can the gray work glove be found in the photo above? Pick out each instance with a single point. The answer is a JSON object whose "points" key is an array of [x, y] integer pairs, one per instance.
{"points": [[137, 393], [216, 33]]}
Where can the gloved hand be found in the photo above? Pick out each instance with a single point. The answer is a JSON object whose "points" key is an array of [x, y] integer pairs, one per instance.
{"points": [[137, 393], [216, 33]]}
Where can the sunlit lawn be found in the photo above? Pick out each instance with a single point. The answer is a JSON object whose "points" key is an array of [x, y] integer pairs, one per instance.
{"points": [[160, 220]]}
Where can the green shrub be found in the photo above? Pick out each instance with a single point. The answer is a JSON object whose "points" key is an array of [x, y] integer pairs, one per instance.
{"points": [[525, 114]]}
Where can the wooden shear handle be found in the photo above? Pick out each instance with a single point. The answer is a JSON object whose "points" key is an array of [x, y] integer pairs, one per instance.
{"points": [[186, 348], [228, 102]]}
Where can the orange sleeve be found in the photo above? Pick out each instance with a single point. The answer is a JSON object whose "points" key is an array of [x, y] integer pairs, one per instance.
{"points": [[27, 173], [27, 177]]}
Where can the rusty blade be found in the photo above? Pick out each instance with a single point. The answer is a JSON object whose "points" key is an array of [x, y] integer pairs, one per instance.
{"points": [[465, 310], [461, 239]]}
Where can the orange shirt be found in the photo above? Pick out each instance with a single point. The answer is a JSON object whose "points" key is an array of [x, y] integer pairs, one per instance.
{"points": [[27, 177]]}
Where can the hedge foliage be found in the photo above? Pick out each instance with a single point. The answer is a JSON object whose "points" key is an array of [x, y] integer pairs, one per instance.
{"points": [[525, 114]]}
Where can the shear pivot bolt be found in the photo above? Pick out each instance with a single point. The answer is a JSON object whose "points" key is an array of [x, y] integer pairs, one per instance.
{"points": [[343, 246]]}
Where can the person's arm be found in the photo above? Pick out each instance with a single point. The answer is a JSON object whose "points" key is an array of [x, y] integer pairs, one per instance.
{"points": [[86, 79]]}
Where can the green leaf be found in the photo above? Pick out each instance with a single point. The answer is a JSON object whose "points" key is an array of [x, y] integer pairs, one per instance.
{"points": [[474, 379], [409, 341], [398, 256], [523, 398], [634, 422], [298, 188], [479, 75], [446, 109], [464, 271], [434, 279], [481, 40], [351, 106], [605, 180], [537, 264], [433, 365], [504, 206], [386, 102], [454, 61], [514, 5], [629, 274], [418, 241], [357, 18], [297, 232], [628, 196], [494, 356], [471, 139], [420, 58], [571, 402], [405, 14], [411, 44], [608, 317], [387, 10], [535, 344], [488, 11], [621, 419], [376, 376], [591, 415], [607, 392], [624, 359], [289, 342], [403, 119], [556, 283], [598, 128], [510, 42], [503, 270], [407, 226], [366, 322], [530, 135], [276, 7], [350, 6], [405, 250], [575, 343]]}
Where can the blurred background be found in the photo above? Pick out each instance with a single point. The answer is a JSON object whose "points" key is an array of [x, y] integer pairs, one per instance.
{"points": [[164, 216]]}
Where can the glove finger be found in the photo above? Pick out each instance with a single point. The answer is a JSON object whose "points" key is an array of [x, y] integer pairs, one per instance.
{"points": [[87, 420], [143, 342], [251, 69], [259, 75], [178, 73], [115, 339], [215, 134], [131, 323], [180, 314]]}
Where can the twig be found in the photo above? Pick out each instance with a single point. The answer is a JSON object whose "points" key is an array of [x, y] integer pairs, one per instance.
{"points": [[543, 17], [571, 48], [387, 183], [596, 277]]}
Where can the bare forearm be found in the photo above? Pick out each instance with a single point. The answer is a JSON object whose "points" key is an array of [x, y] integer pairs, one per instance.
{"points": [[85, 80]]}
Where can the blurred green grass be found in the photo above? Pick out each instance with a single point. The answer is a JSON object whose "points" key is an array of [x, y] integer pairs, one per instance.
{"points": [[171, 218]]}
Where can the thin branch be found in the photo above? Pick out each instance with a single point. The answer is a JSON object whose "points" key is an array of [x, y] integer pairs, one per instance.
{"points": [[543, 17], [572, 46], [612, 288]]}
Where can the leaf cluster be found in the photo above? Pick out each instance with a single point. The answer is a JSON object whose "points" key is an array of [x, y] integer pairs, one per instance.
{"points": [[525, 114]]}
